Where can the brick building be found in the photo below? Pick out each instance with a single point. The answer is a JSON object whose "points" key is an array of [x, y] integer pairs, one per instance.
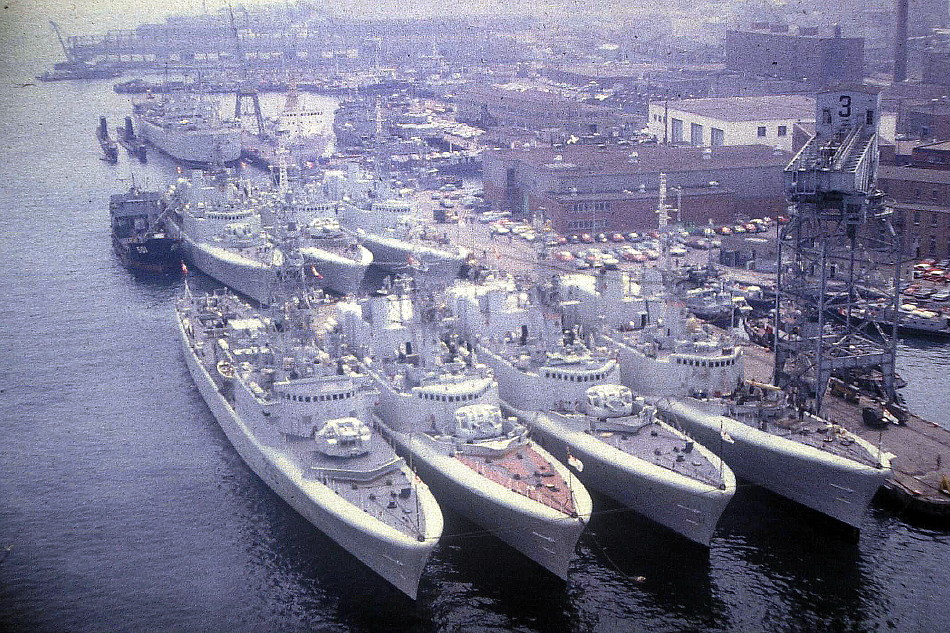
{"points": [[584, 188], [776, 52], [921, 194]]}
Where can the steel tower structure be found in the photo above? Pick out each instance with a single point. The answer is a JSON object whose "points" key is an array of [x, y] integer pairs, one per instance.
{"points": [[840, 254]]}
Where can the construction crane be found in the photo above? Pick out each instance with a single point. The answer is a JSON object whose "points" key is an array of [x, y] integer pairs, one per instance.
{"points": [[841, 254], [62, 43], [244, 89]]}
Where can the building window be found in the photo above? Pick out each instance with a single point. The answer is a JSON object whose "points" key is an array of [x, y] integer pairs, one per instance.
{"points": [[933, 245], [761, 131], [783, 130], [826, 115], [676, 130], [916, 218], [695, 134], [717, 137], [869, 117]]}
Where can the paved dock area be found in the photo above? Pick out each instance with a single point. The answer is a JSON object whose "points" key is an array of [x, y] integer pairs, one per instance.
{"points": [[921, 448]]}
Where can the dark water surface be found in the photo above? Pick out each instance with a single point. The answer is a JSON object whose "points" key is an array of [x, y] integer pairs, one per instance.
{"points": [[127, 510]]}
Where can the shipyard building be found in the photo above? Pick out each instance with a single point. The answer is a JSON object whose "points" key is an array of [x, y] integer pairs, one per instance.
{"points": [[587, 188], [920, 193], [716, 122], [530, 108], [776, 51]]}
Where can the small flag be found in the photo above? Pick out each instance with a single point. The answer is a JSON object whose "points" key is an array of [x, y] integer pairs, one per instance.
{"points": [[725, 436], [412, 261], [316, 274], [184, 269], [575, 463]]}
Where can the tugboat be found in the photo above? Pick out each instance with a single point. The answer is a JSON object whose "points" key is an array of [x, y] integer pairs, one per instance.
{"points": [[138, 237]]}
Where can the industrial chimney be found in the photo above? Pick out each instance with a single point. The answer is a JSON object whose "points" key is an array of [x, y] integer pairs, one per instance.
{"points": [[900, 42]]}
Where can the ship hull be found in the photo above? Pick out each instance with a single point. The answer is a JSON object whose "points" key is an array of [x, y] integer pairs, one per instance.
{"points": [[251, 278], [833, 485], [154, 255], [340, 274], [396, 557], [544, 535], [688, 507], [197, 147], [424, 263]]}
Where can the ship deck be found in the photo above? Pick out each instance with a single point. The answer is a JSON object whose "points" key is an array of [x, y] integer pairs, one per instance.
{"points": [[525, 471], [378, 482], [654, 443]]}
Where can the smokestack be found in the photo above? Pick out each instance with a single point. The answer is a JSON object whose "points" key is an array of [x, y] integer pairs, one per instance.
{"points": [[900, 42]]}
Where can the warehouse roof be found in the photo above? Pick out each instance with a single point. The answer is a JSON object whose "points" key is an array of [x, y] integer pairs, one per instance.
{"points": [[765, 108]]}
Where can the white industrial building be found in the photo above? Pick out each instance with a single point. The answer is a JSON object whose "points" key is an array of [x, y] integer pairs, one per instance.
{"points": [[721, 121]]}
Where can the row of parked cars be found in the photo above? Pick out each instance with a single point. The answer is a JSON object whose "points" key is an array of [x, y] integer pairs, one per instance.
{"points": [[932, 270], [702, 238]]}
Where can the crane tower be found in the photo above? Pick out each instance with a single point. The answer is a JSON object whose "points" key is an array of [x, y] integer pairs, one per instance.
{"points": [[840, 255]]}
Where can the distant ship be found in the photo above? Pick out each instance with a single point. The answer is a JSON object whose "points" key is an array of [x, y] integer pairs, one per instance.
{"points": [[572, 399], [443, 410], [300, 419], [912, 319], [65, 71], [138, 237], [187, 127], [110, 150]]}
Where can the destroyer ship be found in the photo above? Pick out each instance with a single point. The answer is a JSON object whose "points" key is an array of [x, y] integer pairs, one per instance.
{"points": [[308, 229], [187, 127], [401, 245], [441, 408], [138, 238], [696, 379], [219, 224], [300, 419], [570, 396], [386, 225]]}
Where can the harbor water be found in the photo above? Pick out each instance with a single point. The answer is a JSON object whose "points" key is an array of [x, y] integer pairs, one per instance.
{"points": [[124, 508]]}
